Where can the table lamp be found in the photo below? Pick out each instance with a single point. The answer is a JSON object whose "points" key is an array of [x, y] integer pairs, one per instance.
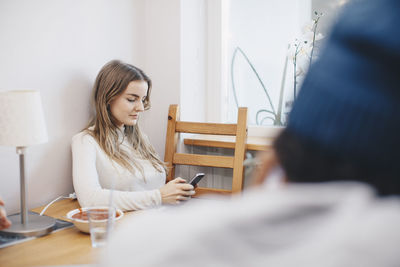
{"points": [[22, 125]]}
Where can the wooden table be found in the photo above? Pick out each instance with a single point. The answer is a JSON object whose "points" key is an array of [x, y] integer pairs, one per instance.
{"points": [[66, 246]]}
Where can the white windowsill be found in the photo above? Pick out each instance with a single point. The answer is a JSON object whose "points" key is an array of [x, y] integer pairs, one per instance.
{"points": [[264, 131]]}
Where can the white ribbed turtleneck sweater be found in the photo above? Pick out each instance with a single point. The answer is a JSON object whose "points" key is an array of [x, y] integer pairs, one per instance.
{"points": [[94, 174]]}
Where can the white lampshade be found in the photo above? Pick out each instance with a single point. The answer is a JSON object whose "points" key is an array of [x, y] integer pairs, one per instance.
{"points": [[21, 119], [21, 125]]}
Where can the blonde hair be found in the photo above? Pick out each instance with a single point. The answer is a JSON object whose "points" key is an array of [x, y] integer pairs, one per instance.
{"points": [[112, 81]]}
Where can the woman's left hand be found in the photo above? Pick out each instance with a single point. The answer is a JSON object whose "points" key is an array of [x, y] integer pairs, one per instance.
{"points": [[175, 191]]}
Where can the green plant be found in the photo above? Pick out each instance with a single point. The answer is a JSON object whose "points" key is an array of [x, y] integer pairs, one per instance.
{"points": [[301, 47], [271, 113]]}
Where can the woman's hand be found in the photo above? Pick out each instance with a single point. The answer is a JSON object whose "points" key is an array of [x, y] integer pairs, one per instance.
{"points": [[175, 191], [4, 222]]}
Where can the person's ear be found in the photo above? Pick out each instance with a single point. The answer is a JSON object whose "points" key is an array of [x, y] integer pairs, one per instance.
{"points": [[267, 162]]}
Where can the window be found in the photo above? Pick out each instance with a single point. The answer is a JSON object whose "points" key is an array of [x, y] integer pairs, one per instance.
{"points": [[248, 55]]}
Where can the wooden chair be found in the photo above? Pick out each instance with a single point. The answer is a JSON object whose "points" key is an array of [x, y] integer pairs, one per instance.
{"points": [[172, 158]]}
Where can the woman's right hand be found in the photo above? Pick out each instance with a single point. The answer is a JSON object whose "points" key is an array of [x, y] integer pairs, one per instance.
{"points": [[175, 191]]}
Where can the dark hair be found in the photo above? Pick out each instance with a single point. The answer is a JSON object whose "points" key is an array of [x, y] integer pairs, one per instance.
{"points": [[306, 161]]}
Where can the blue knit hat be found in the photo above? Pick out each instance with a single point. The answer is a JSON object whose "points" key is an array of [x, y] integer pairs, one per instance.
{"points": [[349, 103]]}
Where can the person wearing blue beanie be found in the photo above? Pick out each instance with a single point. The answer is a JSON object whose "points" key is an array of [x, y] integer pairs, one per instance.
{"points": [[345, 123]]}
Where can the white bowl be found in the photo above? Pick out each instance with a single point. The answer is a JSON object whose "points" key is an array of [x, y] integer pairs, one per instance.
{"points": [[83, 224]]}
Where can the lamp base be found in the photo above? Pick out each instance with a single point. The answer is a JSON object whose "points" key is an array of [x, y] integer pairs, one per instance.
{"points": [[36, 225]]}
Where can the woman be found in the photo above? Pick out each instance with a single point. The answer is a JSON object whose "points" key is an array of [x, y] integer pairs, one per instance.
{"points": [[113, 153]]}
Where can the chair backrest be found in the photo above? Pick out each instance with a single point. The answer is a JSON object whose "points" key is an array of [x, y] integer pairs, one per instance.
{"points": [[172, 158]]}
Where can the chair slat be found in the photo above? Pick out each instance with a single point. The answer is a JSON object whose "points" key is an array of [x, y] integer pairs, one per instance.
{"points": [[240, 149], [201, 191], [203, 160], [205, 128], [171, 140]]}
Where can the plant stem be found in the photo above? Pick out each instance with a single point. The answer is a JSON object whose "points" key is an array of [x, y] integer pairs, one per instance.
{"points": [[267, 111], [313, 41], [279, 112], [294, 71], [295, 82], [238, 49]]}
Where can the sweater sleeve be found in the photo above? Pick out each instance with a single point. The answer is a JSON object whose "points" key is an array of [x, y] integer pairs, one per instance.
{"points": [[87, 185]]}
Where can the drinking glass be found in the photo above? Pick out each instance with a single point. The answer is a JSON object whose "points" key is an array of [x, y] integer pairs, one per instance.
{"points": [[100, 224]]}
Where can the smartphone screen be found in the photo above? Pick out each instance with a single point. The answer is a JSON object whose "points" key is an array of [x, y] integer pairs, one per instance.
{"points": [[196, 178]]}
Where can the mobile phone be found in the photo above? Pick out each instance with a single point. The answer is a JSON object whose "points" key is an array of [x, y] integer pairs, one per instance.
{"points": [[196, 178]]}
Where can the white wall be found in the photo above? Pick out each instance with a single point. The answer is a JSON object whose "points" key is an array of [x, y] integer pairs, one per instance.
{"points": [[193, 60], [57, 47], [161, 37]]}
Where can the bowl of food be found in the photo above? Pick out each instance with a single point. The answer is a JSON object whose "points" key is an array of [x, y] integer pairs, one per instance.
{"points": [[80, 217]]}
